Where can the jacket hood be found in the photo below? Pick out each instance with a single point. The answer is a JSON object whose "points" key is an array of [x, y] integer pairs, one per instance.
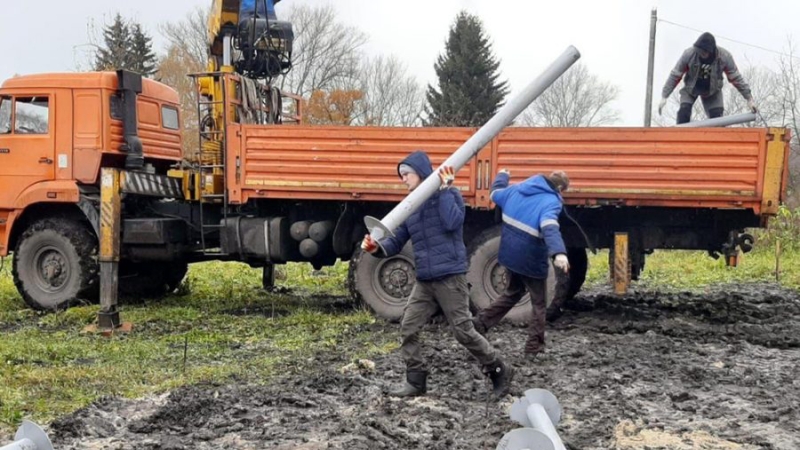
{"points": [[536, 184], [418, 161], [707, 42]]}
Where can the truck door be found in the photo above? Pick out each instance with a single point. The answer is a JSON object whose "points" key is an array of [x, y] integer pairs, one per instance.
{"points": [[27, 145]]}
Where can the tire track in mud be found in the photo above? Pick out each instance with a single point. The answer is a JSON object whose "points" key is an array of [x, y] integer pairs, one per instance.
{"points": [[714, 370]]}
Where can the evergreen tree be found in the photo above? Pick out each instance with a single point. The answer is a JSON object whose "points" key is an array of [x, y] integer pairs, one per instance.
{"points": [[113, 54], [125, 46], [469, 91], [142, 58]]}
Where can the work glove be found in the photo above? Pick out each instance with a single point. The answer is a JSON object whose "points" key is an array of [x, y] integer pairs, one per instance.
{"points": [[561, 262], [369, 245], [752, 105], [661, 105], [505, 171], [447, 175]]}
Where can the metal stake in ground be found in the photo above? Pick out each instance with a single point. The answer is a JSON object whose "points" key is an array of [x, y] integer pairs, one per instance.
{"points": [[539, 412], [29, 437], [382, 228]]}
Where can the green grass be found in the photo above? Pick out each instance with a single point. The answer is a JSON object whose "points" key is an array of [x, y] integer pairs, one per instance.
{"points": [[230, 328], [676, 269]]}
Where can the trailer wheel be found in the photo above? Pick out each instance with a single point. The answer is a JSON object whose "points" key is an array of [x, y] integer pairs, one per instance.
{"points": [[383, 284], [488, 278], [55, 264], [152, 279]]}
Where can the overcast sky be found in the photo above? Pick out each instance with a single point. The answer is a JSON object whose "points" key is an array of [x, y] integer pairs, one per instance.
{"points": [[527, 35]]}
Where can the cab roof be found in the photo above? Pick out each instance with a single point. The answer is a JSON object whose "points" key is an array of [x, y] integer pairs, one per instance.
{"points": [[87, 80]]}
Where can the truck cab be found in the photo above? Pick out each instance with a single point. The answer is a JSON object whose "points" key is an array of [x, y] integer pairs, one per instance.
{"points": [[56, 132]]}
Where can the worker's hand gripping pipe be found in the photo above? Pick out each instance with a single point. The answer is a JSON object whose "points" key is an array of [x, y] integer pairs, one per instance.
{"points": [[382, 228]]}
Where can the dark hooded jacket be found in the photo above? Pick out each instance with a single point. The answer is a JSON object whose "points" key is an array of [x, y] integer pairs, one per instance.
{"points": [[435, 229], [531, 233], [691, 69]]}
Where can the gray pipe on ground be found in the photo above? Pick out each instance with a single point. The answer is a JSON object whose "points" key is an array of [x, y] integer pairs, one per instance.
{"points": [[29, 437], [539, 412]]}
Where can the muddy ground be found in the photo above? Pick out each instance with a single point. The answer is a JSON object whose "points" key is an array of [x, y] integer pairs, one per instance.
{"points": [[650, 370]]}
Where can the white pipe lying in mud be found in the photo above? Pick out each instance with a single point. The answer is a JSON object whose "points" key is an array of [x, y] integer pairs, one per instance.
{"points": [[539, 412], [385, 227], [29, 437]]}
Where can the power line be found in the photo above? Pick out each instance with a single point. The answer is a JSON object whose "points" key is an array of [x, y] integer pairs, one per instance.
{"points": [[732, 40]]}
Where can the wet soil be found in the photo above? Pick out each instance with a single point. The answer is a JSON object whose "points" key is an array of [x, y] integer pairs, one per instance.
{"points": [[650, 370]]}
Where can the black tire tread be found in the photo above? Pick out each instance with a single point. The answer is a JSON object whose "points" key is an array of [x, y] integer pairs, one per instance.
{"points": [[78, 235]]}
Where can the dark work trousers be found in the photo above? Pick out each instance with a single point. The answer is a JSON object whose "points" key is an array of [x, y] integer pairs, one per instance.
{"points": [[517, 285], [712, 104], [452, 296]]}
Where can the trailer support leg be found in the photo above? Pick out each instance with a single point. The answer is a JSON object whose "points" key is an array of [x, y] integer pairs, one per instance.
{"points": [[108, 319]]}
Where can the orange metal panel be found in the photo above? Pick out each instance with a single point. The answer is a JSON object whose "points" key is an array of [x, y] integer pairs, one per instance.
{"points": [[654, 167], [628, 166], [349, 162]]}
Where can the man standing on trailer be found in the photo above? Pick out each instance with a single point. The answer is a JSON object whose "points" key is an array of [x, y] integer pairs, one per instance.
{"points": [[701, 66]]}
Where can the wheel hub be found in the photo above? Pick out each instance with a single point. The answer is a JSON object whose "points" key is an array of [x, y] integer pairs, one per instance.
{"points": [[51, 269], [397, 278]]}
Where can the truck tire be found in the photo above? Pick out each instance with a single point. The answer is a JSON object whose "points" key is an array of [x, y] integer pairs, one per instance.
{"points": [[55, 264], [488, 278], [152, 279], [383, 284]]}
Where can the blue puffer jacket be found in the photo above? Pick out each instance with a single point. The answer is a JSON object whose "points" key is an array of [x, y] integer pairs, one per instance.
{"points": [[530, 224], [435, 229]]}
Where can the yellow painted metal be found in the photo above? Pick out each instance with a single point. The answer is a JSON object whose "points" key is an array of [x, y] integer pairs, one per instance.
{"points": [[187, 183], [110, 208], [773, 171], [110, 230], [622, 273]]}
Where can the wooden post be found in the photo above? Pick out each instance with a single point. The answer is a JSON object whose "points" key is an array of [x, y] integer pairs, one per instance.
{"points": [[621, 264]]}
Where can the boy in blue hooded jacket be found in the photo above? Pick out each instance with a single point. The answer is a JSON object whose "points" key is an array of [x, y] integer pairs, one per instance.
{"points": [[530, 237], [436, 233]]}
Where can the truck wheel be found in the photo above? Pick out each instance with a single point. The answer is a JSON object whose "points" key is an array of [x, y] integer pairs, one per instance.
{"points": [[488, 278], [383, 284], [55, 264], [151, 279]]}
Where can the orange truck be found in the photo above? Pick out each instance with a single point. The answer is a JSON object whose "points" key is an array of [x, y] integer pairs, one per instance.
{"points": [[270, 194]]}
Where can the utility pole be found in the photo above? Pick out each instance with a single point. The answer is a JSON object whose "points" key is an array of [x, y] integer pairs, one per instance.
{"points": [[648, 99]]}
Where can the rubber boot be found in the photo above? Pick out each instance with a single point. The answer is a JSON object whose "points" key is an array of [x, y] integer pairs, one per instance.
{"points": [[501, 375], [415, 384]]}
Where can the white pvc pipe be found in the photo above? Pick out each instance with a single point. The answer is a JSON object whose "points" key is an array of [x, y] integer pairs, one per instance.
{"points": [[720, 121], [504, 117], [29, 437], [540, 421]]}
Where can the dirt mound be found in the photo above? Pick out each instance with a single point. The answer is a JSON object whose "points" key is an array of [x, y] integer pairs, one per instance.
{"points": [[713, 370]]}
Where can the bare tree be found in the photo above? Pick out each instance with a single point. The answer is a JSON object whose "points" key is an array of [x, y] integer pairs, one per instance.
{"points": [[326, 52], [789, 80], [190, 36], [186, 53], [577, 99], [391, 96]]}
